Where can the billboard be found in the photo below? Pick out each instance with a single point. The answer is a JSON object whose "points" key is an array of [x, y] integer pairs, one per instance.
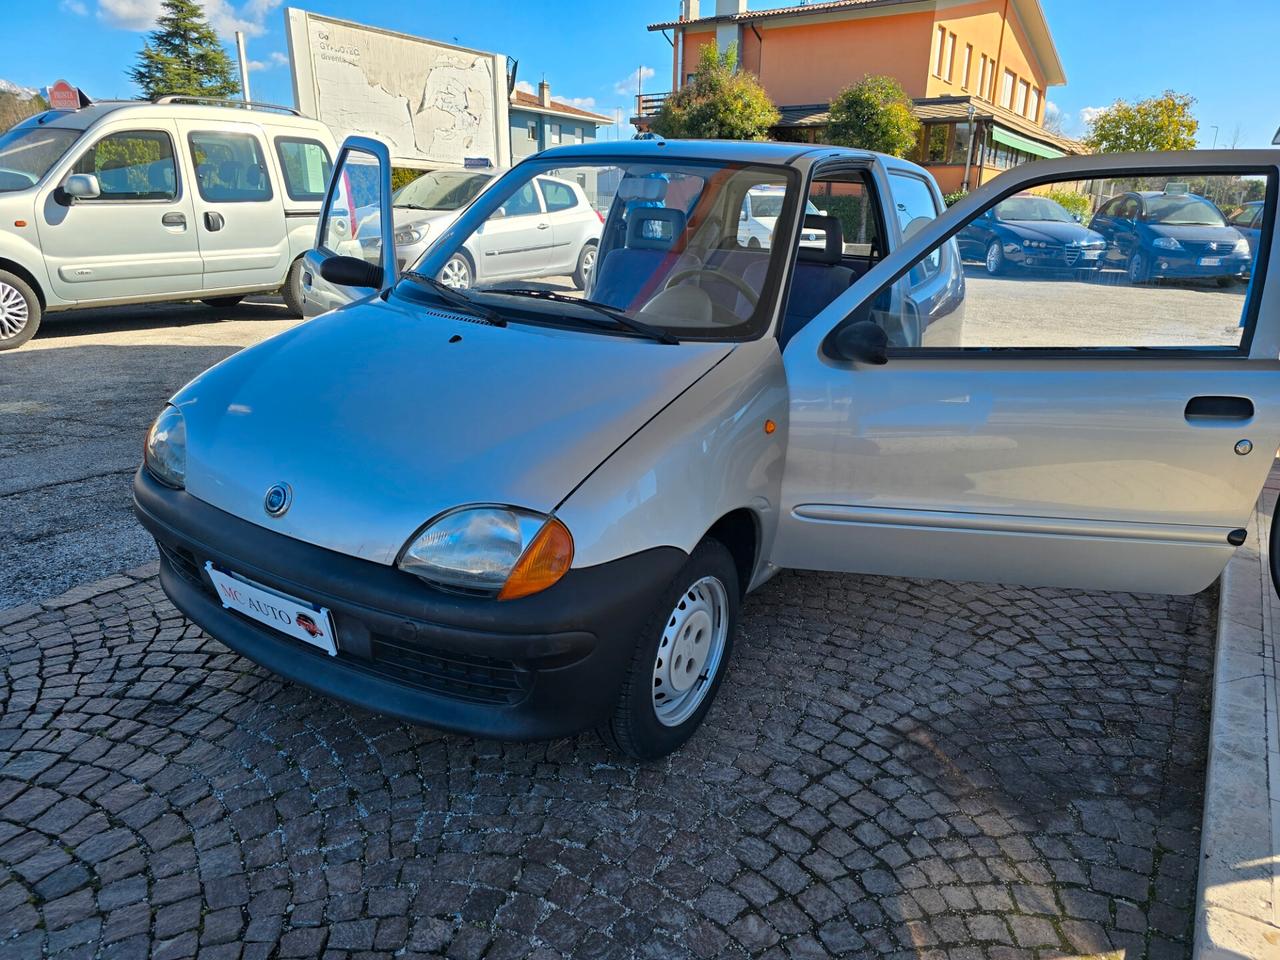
{"points": [[433, 104]]}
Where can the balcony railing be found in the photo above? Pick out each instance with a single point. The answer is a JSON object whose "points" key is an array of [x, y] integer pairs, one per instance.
{"points": [[648, 104]]}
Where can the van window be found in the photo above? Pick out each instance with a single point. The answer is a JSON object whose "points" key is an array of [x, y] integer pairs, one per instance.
{"points": [[133, 165], [306, 167], [230, 167]]}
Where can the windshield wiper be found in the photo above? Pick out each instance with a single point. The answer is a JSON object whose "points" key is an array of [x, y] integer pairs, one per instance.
{"points": [[410, 206], [620, 317], [456, 298]]}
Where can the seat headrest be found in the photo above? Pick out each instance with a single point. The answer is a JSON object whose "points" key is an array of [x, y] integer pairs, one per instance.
{"points": [[655, 228], [834, 249]]}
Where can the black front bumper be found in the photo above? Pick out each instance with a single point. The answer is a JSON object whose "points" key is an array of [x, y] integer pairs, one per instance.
{"points": [[543, 666]]}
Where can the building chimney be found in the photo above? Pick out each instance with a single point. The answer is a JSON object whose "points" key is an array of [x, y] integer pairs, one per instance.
{"points": [[544, 93], [728, 8], [689, 10]]}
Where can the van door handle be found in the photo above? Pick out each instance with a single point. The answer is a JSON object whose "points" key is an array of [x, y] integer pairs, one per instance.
{"points": [[213, 221], [1225, 409], [174, 219]]}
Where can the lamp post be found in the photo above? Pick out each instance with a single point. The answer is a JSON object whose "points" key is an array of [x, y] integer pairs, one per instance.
{"points": [[968, 154]]}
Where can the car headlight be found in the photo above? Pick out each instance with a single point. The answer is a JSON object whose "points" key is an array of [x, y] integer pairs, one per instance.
{"points": [[1241, 248], [1166, 243], [165, 454], [499, 551], [408, 235]]}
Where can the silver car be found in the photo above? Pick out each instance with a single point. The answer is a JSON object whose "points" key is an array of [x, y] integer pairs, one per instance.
{"points": [[522, 510]]}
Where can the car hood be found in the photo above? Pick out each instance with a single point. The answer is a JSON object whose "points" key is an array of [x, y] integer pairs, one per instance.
{"points": [[382, 415], [1195, 234], [1053, 231], [436, 219]]}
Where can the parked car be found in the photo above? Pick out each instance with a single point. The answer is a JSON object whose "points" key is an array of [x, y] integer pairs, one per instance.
{"points": [[180, 199], [1031, 232], [521, 513], [426, 206], [1248, 220], [1171, 235]]}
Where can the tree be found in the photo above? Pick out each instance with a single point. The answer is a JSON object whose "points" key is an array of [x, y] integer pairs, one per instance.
{"points": [[874, 114], [13, 109], [719, 103], [1157, 123], [183, 56]]}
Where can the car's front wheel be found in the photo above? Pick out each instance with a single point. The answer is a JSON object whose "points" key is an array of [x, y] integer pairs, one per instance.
{"points": [[19, 311], [586, 266], [995, 262], [1139, 269], [457, 272], [681, 657]]}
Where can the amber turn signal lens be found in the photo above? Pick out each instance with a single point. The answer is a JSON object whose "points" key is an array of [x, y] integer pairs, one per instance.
{"points": [[543, 562], [770, 426]]}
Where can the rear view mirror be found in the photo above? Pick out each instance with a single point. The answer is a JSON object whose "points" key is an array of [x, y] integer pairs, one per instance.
{"points": [[351, 272], [81, 186], [862, 342]]}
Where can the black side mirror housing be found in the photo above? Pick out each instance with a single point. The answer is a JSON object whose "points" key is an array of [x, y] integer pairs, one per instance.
{"points": [[351, 272], [864, 341]]}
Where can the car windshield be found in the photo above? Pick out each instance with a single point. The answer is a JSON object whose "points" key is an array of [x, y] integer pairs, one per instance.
{"points": [[655, 242], [1185, 211], [27, 153], [1032, 208], [441, 190]]}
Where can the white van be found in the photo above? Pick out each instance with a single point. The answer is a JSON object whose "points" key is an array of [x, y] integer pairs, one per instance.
{"points": [[136, 202]]}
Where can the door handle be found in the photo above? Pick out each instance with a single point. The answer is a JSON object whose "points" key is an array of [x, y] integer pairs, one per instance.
{"points": [[213, 221], [174, 219], [1223, 409], [543, 226]]}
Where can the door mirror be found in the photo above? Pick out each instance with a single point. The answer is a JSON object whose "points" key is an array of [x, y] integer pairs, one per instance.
{"points": [[499, 213], [82, 186], [351, 272], [1077, 218], [864, 341]]}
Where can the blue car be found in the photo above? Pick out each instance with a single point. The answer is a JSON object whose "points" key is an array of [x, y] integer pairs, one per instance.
{"points": [[1248, 220], [1031, 232], [1171, 235]]}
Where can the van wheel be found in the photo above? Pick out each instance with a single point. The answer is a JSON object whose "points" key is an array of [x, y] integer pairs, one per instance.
{"points": [[680, 659], [222, 303], [19, 311], [586, 266], [292, 290]]}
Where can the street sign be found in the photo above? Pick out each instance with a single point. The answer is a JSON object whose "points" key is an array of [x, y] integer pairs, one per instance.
{"points": [[63, 96]]}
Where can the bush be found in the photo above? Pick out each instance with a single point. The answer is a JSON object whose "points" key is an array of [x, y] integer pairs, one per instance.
{"points": [[874, 114], [951, 199], [720, 103], [400, 176]]}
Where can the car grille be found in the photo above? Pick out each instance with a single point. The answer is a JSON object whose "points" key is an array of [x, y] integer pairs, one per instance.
{"points": [[184, 562], [1071, 255], [462, 676]]}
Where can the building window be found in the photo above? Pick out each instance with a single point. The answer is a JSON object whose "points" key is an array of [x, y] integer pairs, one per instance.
{"points": [[1024, 91], [533, 130], [940, 49], [960, 143], [1033, 107], [951, 56], [553, 133], [967, 66], [982, 77], [1006, 89], [577, 134], [936, 137]]}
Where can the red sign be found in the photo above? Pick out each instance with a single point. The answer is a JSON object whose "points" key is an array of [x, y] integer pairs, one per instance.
{"points": [[63, 96]]}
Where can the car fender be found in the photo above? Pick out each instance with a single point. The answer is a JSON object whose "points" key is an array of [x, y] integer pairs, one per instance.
{"points": [[21, 245], [706, 454]]}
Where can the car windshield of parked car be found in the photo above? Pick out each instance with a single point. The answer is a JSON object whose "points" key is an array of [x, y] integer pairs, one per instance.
{"points": [[1183, 212], [27, 154], [658, 242], [1032, 208], [442, 190]]}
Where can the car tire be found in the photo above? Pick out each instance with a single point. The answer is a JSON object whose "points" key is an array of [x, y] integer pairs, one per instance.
{"points": [[753, 243], [1226, 281], [586, 265], [995, 261], [681, 657], [292, 290], [1139, 270], [458, 272], [20, 312], [222, 303]]}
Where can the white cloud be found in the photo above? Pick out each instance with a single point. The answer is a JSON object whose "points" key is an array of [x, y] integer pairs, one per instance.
{"points": [[278, 59], [224, 16], [627, 86], [583, 103], [129, 14], [524, 86], [1089, 114], [74, 7]]}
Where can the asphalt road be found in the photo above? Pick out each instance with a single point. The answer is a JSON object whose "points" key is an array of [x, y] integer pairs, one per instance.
{"points": [[75, 404]]}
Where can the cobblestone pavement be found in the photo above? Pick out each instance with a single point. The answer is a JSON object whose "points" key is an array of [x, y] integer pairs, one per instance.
{"points": [[894, 767]]}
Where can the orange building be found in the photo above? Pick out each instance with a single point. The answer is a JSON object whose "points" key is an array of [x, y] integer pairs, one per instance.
{"points": [[977, 70]]}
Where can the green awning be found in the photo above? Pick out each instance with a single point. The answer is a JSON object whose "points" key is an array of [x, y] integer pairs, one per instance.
{"points": [[1000, 135]]}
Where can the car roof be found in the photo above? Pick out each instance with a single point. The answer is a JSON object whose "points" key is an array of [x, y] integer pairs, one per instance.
{"points": [[727, 151], [86, 117]]}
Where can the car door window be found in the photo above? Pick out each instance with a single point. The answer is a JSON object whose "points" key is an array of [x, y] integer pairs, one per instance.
{"points": [[522, 203], [132, 165], [916, 206], [230, 167], [1177, 278], [558, 196], [305, 165]]}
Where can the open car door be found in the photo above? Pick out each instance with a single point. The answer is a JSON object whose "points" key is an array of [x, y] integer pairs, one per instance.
{"points": [[354, 254], [1060, 417]]}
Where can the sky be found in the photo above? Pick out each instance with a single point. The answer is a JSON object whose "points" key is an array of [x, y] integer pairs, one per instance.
{"points": [[591, 52]]}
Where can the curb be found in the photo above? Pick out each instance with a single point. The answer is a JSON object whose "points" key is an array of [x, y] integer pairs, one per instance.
{"points": [[1238, 891], [80, 594]]}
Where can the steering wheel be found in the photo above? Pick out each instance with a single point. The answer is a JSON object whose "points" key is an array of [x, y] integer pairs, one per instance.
{"points": [[738, 283]]}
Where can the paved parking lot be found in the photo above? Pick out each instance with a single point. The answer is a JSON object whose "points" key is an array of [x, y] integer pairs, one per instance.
{"points": [[897, 768]]}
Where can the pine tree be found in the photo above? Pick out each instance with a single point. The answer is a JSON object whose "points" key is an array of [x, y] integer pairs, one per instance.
{"points": [[183, 56]]}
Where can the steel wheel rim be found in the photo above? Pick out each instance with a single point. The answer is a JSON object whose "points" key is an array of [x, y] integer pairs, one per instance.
{"points": [[456, 274], [993, 258], [690, 651], [14, 312]]}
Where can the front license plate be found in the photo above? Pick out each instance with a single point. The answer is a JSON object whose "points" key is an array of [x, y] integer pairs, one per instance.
{"points": [[1092, 254], [297, 618], [1210, 261]]}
